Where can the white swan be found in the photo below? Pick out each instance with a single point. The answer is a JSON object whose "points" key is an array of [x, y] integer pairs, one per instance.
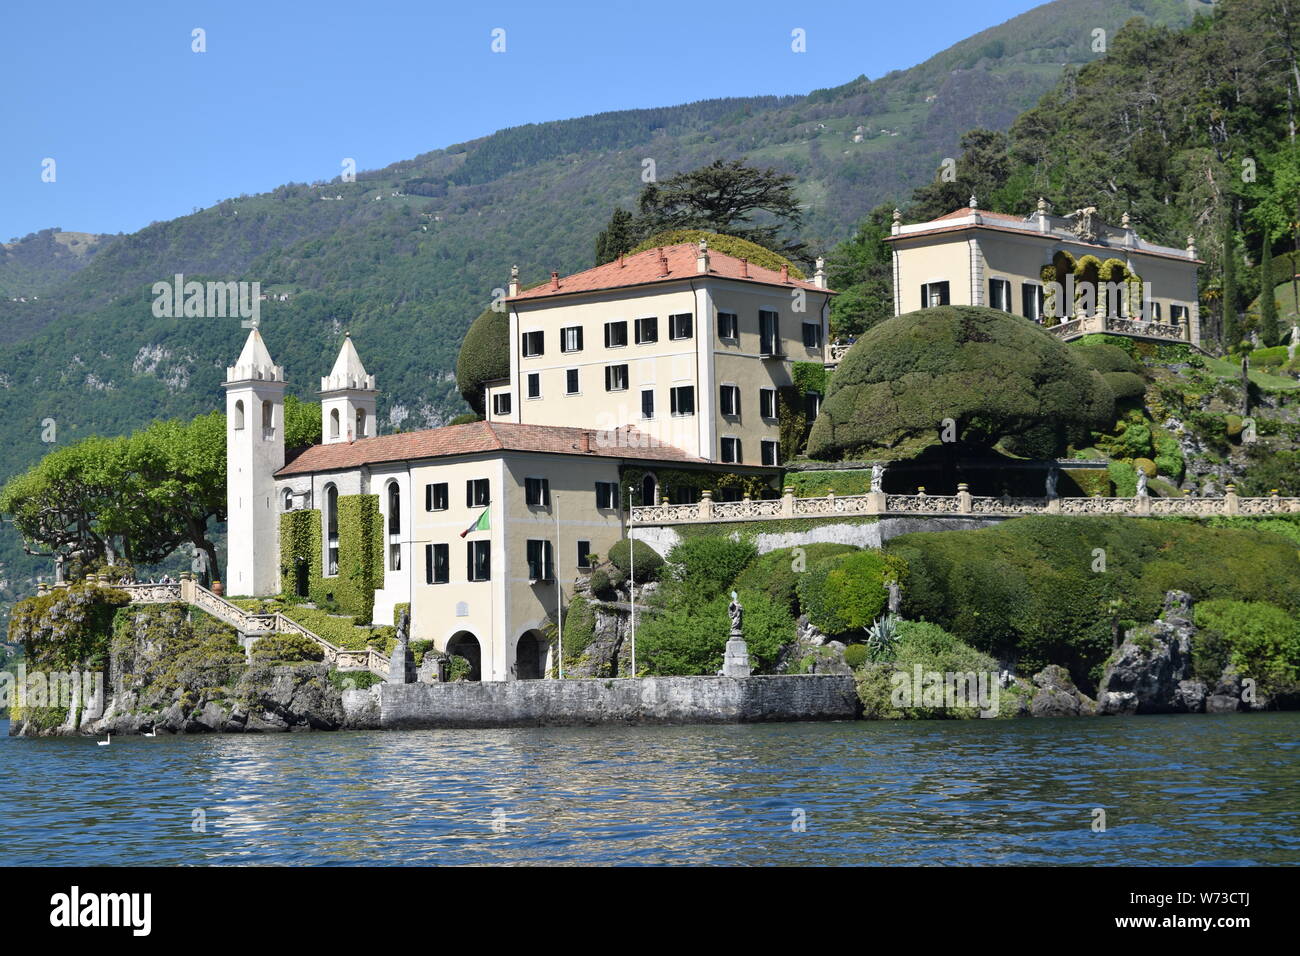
{"points": [[105, 742], [153, 732]]}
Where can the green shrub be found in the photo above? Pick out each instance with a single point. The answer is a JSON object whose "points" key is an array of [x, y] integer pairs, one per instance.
{"points": [[815, 484], [727, 245], [1169, 454], [1260, 640], [777, 573], [1107, 358], [709, 566], [1026, 589], [1233, 425], [1005, 382], [1146, 466], [579, 628], [287, 648], [1125, 384], [647, 560], [458, 668], [847, 592], [688, 636], [354, 680], [935, 650], [855, 655], [484, 356], [600, 582], [1124, 477]]}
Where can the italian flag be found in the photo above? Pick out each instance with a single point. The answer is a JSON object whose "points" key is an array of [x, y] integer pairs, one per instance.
{"points": [[480, 524]]}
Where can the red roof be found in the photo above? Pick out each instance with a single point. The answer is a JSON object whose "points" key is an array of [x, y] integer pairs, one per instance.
{"points": [[475, 437], [645, 268]]}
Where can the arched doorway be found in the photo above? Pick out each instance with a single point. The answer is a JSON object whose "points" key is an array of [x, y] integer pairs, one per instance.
{"points": [[530, 656], [464, 644], [648, 489]]}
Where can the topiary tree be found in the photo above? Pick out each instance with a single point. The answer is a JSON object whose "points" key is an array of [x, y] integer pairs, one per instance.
{"points": [[1002, 381], [484, 356], [777, 573], [647, 563], [848, 591]]}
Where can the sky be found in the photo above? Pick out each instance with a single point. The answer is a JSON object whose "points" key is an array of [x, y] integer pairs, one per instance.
{"points": [[142, 128]]}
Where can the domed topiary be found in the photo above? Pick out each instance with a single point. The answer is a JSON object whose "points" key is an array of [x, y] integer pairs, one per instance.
{"points": [[1125, 384], [1108, 358], [647, 564], [1233, 424], [1002, 380], [484, 356], [727, 245], [1146, 466]]}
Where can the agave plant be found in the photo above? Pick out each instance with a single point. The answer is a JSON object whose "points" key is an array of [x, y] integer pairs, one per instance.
{"points": [[882, 637]]}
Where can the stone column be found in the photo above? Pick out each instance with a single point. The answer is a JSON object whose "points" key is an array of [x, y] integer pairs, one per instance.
{"points": [[963, 498], [876, 503], [1230, 500], [787, 502], [706, 504]]}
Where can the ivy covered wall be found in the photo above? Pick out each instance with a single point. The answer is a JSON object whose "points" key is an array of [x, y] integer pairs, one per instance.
{"points": [[361, 556]]}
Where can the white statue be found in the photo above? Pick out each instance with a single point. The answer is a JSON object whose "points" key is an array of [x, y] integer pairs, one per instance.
{"points": [[1142, 483], [1051, 482], [1295, 340], [877, 477]]}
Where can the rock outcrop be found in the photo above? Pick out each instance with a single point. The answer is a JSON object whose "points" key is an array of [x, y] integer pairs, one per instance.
{"points": [[1151, 671], [1058, 697]]}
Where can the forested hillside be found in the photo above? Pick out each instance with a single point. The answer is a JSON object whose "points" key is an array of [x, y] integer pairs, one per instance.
{"points": [[406, 256]]}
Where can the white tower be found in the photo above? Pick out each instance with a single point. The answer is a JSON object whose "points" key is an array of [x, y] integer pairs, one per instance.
{"points": [[254, 453], [347, 399]]}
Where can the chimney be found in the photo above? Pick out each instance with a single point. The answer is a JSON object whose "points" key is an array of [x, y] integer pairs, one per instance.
{"points": [[513, 288], [785, 272], [663, 263], [555, 281], [620, 260], [897, 225], [744, 267], [702, 258], [819, 277]]}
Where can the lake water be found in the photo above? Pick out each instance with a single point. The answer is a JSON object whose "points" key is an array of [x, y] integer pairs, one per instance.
{"points": [[1176, 790]]}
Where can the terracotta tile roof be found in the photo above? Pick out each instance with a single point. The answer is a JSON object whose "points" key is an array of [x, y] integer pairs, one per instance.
{"points": [[644, 268], [476, 437]]}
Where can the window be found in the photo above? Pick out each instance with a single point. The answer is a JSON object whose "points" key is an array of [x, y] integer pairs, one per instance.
{"points": [[683, 400], [584, 554], [571, 381], [812, 335], [615, 378], [767, 403], [288, 500], [731, 450], [394, 508], [769, 333], [534, 344], [679, 326], [728, 326], [437, 564], [501, 404], [934, 293], [771, 452], [729, 400], [1178, 314], [334, 423], [478, 560], [647, 330], [540, 561], [361, 423], [435, 497], [1000, 295], [812, 404], [606, 494], [537, 492], [571, 339], [476, 493], [648, 403], [1031, 301], [239, 415], [615, 335], [534, 384], [332, 530], [268, 421]]}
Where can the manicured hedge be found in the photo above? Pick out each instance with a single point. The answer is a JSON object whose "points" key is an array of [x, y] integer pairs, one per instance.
{"points": [[847, 592], [1108, 358], [685, 636], [647, 561], [777, 573], [287, 648], [1003, 381], [1261, 641], [1027, 589], [484, 356]]}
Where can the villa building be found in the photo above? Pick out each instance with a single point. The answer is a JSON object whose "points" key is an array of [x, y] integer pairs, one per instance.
{"points": [[629, 380], [1074, 274]]}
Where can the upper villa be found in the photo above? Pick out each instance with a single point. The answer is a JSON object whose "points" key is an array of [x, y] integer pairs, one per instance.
{"points": [[685, 343], [1119, 282]]}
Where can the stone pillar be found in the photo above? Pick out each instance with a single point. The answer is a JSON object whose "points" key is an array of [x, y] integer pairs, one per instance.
{"points": [[876, 503], [706, 505], [1142, 505], [963, 498], [401, 666], [787, 502], [1230, 500]]}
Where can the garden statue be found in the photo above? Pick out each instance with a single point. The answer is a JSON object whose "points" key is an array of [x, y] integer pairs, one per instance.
{"points": [[1052, 476], [1295, 340], [736, 611], [401, 666], [735, 661], [1142, 484], [404, 627], [877, 478]]}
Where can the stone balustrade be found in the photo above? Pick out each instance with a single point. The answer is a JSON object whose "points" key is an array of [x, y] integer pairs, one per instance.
{"points": [[1100, 322], [963, 503]]}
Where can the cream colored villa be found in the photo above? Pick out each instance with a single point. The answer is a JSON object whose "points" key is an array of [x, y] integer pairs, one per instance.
{"points": [[623, 379], [1074, 273]]}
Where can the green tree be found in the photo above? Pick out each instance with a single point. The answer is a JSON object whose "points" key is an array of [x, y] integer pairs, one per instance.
{"points": [[484, 356], [860, 269], [982, 171], [1231, 327], [302, 424], [617, 238]]}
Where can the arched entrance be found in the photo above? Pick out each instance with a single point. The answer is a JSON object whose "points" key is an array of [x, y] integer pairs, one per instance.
{"points": [[648, 489], [464, 644], [530, 656]]}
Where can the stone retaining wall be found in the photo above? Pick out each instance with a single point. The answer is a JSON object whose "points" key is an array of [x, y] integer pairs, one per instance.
{"points": [[645, 700]]}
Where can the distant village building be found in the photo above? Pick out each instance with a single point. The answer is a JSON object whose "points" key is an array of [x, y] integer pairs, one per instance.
{"points": [[1107, 278]]}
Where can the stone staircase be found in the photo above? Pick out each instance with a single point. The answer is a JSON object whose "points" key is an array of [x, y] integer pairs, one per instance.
{"points": [[250, 625]]}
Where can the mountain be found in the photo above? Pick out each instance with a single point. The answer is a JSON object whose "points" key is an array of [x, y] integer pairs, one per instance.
{"points": [[406, 256], [36, 263]]}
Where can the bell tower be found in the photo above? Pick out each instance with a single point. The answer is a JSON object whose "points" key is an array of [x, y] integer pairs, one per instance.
{"points": [[254, 453], [347, 399]]}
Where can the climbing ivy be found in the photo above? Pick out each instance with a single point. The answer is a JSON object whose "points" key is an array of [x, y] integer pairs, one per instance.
{"points": [[669, 479], [361, 556]]}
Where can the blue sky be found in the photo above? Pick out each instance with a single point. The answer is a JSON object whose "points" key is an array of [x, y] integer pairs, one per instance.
{"points": [[141, 128]]}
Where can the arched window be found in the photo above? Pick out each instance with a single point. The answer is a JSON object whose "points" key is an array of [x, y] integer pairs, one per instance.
{"points": [[268, 420], [361, 423], [332, 530], [287, 498], [334, 423], [394, 527], [239, 414]]}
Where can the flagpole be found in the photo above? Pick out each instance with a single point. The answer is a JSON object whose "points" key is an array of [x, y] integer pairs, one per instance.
{"points": [[559, 591], [631, 584]]}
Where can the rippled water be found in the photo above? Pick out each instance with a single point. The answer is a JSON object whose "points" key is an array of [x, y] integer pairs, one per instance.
{"points": [[1176, 790]]}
